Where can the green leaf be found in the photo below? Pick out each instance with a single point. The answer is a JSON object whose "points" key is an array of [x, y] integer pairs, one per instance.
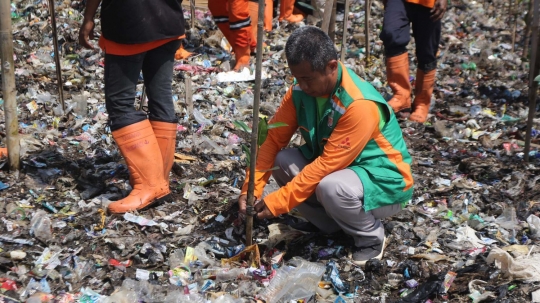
{"points": [[263, 132], [277, 124], [537, 79], [248, 154], [270, 169], [242, 125]]}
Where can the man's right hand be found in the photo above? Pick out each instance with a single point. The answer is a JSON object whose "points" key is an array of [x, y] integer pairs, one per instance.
{"points": [[242, 203], [86, 32]]}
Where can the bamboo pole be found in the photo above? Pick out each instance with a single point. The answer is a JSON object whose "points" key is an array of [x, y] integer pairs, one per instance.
{"points": [[8, 85], [327, 15], [533, 85], [255, 127], [57, 55], [345, 32], [367, 16]]}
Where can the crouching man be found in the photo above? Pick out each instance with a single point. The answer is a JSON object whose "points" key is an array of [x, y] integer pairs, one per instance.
{"points": [[354, 168]]}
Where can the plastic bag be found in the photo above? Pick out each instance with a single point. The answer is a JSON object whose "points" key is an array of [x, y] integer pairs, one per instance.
{"points": [[524, 269], [294, 282]]}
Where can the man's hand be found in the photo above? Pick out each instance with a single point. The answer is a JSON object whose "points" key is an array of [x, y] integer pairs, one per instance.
{"points": [[262, 210], [86, 32], [242, 204], [438, 10]]}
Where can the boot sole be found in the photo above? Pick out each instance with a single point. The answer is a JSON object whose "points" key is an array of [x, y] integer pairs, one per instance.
{"points": [[157, 202]]}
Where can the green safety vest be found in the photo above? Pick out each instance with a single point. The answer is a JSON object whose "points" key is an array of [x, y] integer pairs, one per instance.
{"points": [[383, 180]]}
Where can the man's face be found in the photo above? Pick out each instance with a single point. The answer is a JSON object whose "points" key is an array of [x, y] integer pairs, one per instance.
{"points": [[315, 83]]}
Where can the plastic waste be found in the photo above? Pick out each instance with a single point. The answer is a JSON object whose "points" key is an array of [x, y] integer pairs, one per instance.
{"points": [[199, 117], [41, 226], [526, 269], [534, 226], [296, 281], [508, 219], [232, 138], [176, 258], [224, 275]]}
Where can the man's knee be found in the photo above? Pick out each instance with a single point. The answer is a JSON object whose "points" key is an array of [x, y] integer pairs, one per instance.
{"points": [[282, 161], [333, 188]]}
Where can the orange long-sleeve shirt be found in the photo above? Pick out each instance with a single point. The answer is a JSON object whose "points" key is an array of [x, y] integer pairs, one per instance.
{"points": [[355, 128]]}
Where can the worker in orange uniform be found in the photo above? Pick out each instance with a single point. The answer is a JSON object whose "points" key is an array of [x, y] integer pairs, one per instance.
{"points": [[139, 35], [237, 20], [425, 17], [354, 168], [286, 12]]}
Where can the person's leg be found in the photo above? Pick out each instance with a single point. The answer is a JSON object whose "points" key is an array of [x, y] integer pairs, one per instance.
{"points": [[395, 36], [241, 36], [427, 35], [121, 76], [341, 194], [220, 13], [291, 162], [158, 72], [286, 12]]}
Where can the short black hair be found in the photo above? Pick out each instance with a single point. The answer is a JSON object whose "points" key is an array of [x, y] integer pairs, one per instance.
{"points": [[310, 43]]}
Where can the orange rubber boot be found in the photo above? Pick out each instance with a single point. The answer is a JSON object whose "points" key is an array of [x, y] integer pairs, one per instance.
{"points": [[241, 54], [397, 74], [286, 12], [166, 137], [425, 82], [140, 148], [268, 15], [3, 152]]}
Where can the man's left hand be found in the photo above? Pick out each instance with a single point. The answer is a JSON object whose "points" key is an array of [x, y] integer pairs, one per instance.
{"points": [[438, 10], [262, 210]]}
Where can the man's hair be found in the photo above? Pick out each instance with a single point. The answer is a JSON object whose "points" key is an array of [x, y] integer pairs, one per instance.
{"points": [[309, 43]]}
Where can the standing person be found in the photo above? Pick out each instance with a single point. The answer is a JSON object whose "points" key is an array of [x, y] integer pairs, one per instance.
{"points": [[425, 17], [139, 35], [286, 12], [237, 20], [353, 170]]}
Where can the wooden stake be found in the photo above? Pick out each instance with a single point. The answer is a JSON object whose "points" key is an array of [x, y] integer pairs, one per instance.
{"points": [[56, 55], [143, 98], [514, 13], [527, 30], [332, 25], [192, 10], [327, 15], [8, 85], [367, 16], [189, 96], [255, 127], [345, 32], [533, 85]]}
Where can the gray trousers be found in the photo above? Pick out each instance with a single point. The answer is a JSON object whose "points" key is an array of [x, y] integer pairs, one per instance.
{"points": [[337, 202]]}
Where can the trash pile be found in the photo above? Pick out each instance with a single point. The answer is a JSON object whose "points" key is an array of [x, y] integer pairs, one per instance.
{"points": [[471, 231]]}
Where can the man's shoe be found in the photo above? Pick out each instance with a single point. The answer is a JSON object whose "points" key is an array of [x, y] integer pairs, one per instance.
{"points": [[362, 254]]}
